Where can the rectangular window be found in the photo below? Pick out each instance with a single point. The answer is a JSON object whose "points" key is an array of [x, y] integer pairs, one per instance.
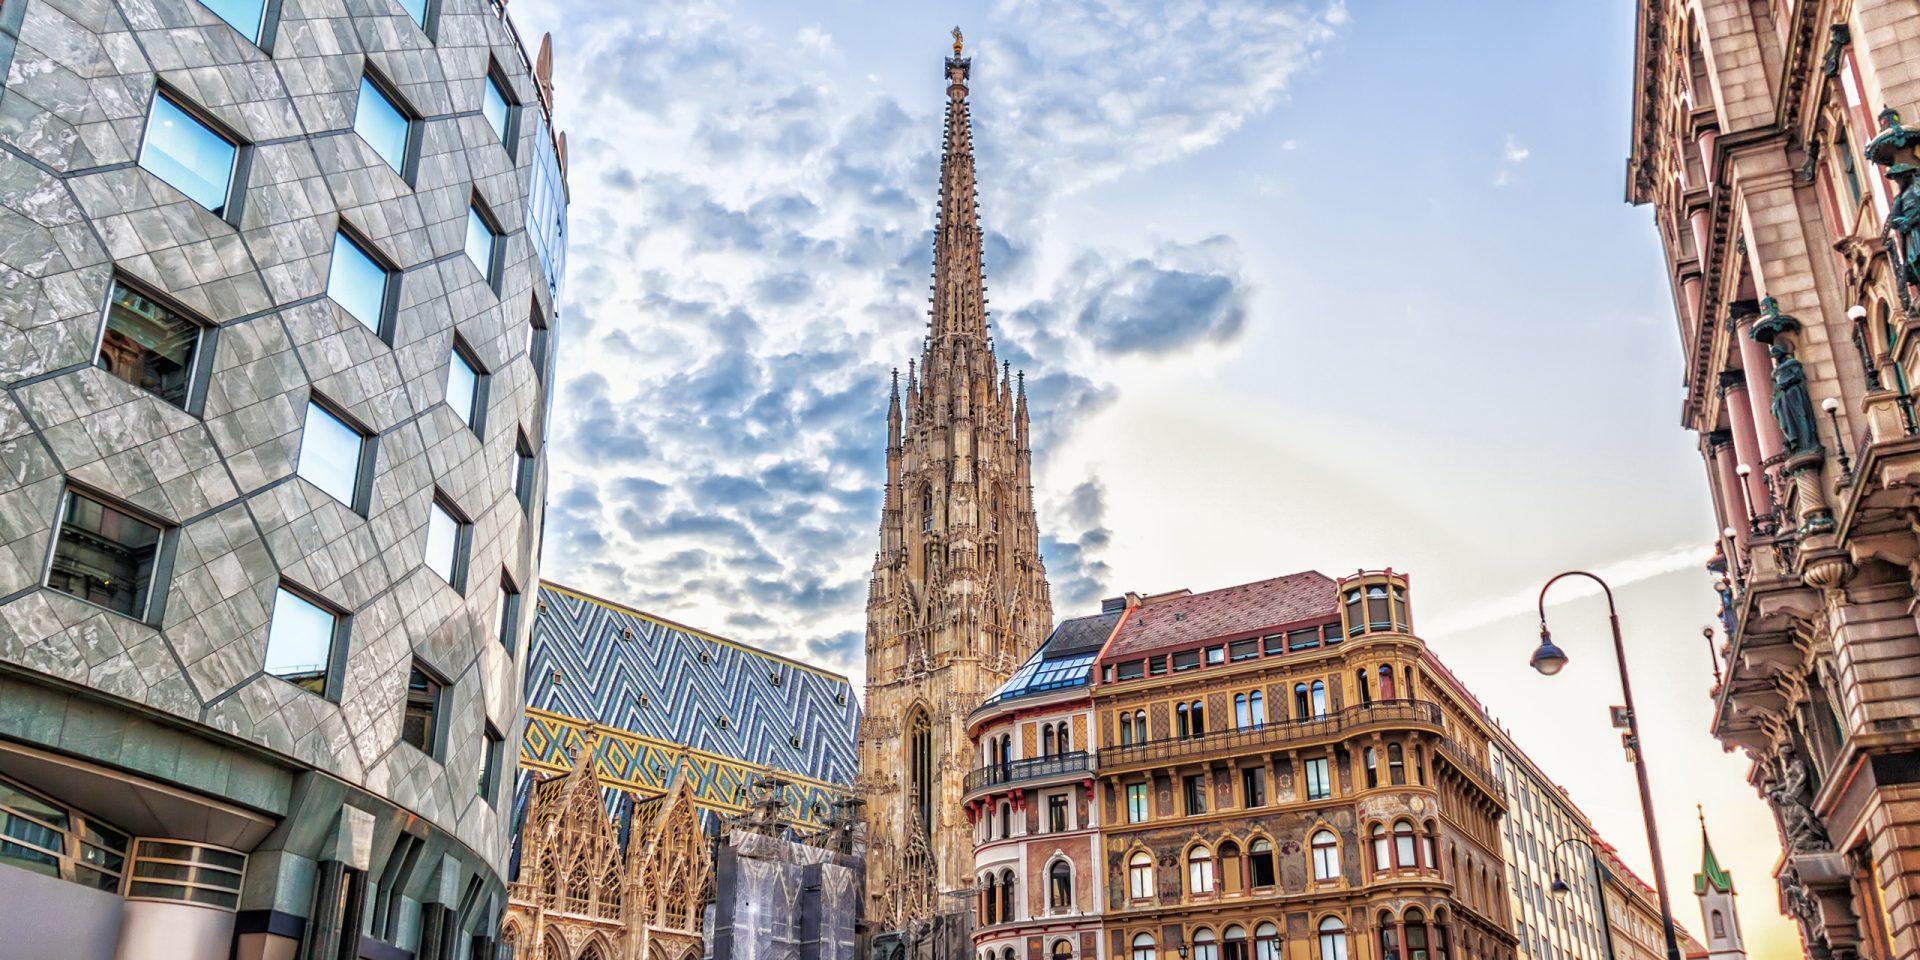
{"points": [[105, 556], [1137, 803], [359, 283], [189, 155], [420, 726], [447, 537], [483, 241], [1057, 813], [380, 121], [1157, 666], [1303, 639], [1243, 649], [333, 455], [490, 747], [1273, 643], [1186, 660], [523, 472], [1132, 670], [302, 637], [509, 611], [537, 339], [1330, 634], [151, 346], [1319, 785], [465, 387], [1195, 789], [1253, 787], [1216, 656], [247, 16], [497, 107]]}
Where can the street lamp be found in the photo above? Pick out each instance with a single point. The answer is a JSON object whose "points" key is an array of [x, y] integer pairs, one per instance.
{"points": [[1549, 659], [1561, 888]]}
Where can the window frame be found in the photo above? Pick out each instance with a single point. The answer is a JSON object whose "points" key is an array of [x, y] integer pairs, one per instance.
{"points": [[1324, 780], [462, 540], [1145, 808], [1324, 857], [153, 612], [436, 747], [507, 619], [496, 79], [389, 286], [492, 746], [264, 32], [371, 76], [200, 372], [476, 418], [363, 472], [429, 21], [539, 342], [232, 201], [333, 687], [478, 208], [1139, 868]]}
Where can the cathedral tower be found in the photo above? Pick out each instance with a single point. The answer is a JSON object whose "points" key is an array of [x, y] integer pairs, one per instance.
{"points": [[959, 595], [1714, 886]]}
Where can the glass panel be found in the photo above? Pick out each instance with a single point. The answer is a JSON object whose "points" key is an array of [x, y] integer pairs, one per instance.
{"points": [[417, 9], [357, 282], [493, 106], [509, 615], [104, 556], [480, 241], [330, 453], [300, 642], [443, 541], [149, 346], [245, 15], [380, 123], [188, 154], [423, 707], [463, 383]]}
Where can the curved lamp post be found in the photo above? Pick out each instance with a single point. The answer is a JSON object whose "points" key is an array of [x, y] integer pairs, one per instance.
{"points": [[1560, 888], [1549, 659]]}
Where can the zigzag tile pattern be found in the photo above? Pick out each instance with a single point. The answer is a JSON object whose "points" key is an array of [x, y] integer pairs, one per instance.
{"points": [[668, 684]]}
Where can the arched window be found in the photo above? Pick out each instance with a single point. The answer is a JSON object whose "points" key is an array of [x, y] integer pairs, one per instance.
{"points": [[1006, 953], [1420, 764], [1233, 942], [1143, 947], [1430, 840], [1416, 923], [1386, 682], [1199, 870], [1007, 892], [1403, 848], [1198, 713], [1204, 946], [1181, 722], [1046, 741], [1373, 769], [1266, 942], [1301, 705], [1333, 940], [1257, 704], [1319, 698], [920, 769], [1006, 820], [1389, 935], [1366, 693], [1260, 867], [1382, 848], [1231, 879], [1062, 949], [1326, 855], [1140, 876], [990, 901], [1126, 729], [1140, 725], [1065, 740], [1356, 620], [1396, 765], [1377, 616], [1241, 718], [1060, 886], [1719, 926]]}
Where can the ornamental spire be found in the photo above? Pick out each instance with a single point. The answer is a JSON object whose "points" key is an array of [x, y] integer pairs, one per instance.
{"points": [[959, 290], [1711, 874]]}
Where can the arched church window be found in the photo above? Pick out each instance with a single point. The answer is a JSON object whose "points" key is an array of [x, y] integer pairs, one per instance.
{"points": [[920, 769]]}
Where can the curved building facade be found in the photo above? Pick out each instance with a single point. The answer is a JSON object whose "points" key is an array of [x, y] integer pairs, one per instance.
{"points": [[277, 288]]}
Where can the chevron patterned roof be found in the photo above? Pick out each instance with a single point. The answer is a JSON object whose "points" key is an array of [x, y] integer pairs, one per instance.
{"points": [[624, 668]]}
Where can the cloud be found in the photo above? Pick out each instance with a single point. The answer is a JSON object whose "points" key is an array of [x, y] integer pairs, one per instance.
{"points": [[1512, 155], [751, 238]]}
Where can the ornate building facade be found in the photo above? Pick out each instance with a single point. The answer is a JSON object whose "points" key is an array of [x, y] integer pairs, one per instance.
{"points": [[959, 594], [1283, 766], [1768, 139], [1545, 836], [1634, 930], [276, 349]]}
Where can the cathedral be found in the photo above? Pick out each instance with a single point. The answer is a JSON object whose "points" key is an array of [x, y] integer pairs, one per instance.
{"points": [[959, 595]]}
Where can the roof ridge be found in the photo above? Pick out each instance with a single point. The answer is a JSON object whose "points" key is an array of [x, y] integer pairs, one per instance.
{"points": [[707, 635]]}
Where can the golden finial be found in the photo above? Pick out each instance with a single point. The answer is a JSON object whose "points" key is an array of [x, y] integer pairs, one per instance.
{"points": [[957, 41]]}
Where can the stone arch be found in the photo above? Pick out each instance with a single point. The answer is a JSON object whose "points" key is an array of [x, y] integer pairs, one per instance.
{"points": [[554, 947]]}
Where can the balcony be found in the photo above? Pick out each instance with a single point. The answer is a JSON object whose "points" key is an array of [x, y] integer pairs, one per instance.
{"points": [[1037, 768], [1352, 720], [1469, 764]]}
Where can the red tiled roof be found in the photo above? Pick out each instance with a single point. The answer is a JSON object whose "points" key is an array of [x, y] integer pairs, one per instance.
{"points": [[1295, 598]]}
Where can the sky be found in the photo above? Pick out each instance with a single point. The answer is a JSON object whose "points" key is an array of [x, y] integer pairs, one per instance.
{"points": [[1329, 286]]}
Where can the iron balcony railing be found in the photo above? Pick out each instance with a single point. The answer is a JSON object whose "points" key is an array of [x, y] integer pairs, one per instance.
{"points": [[1459, 757], [1035, 768], [1276, 732]]}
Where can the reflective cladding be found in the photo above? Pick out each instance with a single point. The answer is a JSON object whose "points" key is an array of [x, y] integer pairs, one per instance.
{"points": [[300, 638], [1038, 675], [330, 454], [245, 16], [463, 387], [380, 122], [188, 154], [494, 106], [547, 205], [105, 556], [480, 242], [443, 543], [357, 282]]}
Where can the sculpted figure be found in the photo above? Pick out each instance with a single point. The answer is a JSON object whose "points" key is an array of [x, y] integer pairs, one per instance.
{"points": [[1904, 221], [1792, 408]]}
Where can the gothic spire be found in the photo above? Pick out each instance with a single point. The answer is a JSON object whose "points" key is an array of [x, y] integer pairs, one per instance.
{"points": [[959, 291]]}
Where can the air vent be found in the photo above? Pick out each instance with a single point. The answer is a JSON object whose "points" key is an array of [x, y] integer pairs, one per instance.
{"points": [[706, 657], [626, 633], [795, 740], [722, 722], [774, 678]]}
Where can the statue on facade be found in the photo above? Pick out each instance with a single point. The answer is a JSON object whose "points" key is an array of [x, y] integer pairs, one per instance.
{"points": [[1792, 408], [1904, 220], [1894, 150], [1792, 796]]}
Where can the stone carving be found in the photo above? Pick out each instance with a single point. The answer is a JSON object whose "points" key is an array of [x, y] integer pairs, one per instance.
{"points": [[1792, 797], [1792, 408]]}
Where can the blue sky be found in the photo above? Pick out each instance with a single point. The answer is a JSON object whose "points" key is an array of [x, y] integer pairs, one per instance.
{"points": [[1294, 286]]}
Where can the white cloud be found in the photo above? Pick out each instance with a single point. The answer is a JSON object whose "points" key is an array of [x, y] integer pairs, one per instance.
{"points": [[1512, 154]]}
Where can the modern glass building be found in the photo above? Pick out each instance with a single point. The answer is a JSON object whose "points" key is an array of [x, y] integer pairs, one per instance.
{"points": [[277, 288]]}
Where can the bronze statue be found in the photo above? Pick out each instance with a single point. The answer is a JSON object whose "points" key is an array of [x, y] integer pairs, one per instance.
{"points": [[1792, 408], [1904, 221]]}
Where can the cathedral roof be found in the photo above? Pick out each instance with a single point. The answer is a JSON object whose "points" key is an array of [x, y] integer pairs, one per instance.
{"points": [[1245, 608]]}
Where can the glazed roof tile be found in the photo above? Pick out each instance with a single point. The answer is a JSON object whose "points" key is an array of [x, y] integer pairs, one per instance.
{"points": [[1294, 598]]}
